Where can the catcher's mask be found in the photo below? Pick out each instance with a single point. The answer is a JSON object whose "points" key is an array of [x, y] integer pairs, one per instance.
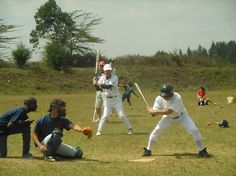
{"points": [[58, 103], [31, 103], [223, 124]]}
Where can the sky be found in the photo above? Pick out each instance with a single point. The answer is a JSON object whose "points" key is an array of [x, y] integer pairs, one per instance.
{"points": [[138, 26]]}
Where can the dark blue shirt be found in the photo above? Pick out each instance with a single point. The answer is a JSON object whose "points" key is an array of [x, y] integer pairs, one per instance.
{"points": [[14, 116], [46, 124]]}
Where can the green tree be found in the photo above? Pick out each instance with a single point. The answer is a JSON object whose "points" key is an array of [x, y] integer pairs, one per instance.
{"points": [[4, 29], [55, 55], [21, 55], [71, 30]]}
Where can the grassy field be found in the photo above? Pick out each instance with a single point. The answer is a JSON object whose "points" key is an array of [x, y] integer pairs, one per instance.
{"points": [[108, 154]]}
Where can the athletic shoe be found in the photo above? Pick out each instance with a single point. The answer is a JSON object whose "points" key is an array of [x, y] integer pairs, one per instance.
{"points": [[28, 156], [49, 159], [98, 133], [130, 131], [147, 152], [203, 153]]}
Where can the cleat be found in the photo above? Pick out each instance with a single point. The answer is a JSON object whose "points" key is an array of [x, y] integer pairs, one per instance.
{"points": [[130, 131], [98, 133], [147, 152], [203, 153], [28, 156], [49, 159]]}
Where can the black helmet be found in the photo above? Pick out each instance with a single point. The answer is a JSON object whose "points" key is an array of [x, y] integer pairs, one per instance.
{"points": [[223, 124], [31, 103], [166, 90], [57, 103]]}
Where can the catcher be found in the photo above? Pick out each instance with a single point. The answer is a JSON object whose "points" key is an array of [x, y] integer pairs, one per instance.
{"points": [[48, 132]]}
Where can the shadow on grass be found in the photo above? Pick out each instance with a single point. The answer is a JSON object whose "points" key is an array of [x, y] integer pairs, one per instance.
{"points": [[83, 160], [125, 134], [60, 159], [184, 155]]}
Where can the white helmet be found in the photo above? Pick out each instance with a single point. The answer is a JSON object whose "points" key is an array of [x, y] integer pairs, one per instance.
{"points": [[107, 67]]}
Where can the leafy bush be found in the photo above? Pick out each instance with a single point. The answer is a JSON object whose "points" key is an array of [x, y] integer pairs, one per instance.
{"points": [[21, 55], [55, 55]]}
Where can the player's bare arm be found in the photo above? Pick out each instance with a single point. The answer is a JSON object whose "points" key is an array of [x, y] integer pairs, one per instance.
{"points": [[95, 80], [76, 127], [42, 147], [159, 112]]}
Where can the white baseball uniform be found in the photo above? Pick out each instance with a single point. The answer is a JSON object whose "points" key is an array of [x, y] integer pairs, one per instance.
{"points": [[112, 99], [180, 115]]}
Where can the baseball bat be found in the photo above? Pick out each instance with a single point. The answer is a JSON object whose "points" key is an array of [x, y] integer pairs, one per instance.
{"points": [[97, 60], [95, 116], [211, 123], [140, 92]]}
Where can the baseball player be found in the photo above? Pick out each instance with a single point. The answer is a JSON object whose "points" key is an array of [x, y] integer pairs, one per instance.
{"points": [[169, 104], [16, 121], [109, 84], [99, 98], [127, 93], [48, 132]]}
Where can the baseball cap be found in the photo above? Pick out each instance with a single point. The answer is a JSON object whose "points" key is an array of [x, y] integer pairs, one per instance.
{"points": [[101, 62], [107, 67]]}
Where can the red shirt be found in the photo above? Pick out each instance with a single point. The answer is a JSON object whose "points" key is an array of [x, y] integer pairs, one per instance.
{"points": [[201, 93]]}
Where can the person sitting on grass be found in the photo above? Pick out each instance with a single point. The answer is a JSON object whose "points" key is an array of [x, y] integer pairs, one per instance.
{"points": [[202, 97]]}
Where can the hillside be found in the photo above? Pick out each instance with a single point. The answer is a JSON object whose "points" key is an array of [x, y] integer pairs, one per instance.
{"points": [[41, 80]]}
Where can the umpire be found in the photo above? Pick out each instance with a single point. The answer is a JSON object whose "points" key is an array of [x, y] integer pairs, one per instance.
{"points": [[15, 122]]}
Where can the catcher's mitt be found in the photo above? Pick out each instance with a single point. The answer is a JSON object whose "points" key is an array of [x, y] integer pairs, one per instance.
{"points": [[87, 131]]}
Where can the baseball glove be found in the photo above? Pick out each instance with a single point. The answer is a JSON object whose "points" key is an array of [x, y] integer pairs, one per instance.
{"points": [[87, 131]]}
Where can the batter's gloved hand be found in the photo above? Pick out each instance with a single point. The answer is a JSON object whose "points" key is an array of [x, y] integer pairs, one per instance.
{"points": [[87, 131]]}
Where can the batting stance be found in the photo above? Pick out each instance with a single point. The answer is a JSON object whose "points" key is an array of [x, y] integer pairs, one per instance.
{"points": [[16, 121], [169, 105], [48, 132], [112, 97]]}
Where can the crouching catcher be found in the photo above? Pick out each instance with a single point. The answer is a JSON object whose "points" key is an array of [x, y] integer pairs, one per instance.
{"points": [[48, 132]]}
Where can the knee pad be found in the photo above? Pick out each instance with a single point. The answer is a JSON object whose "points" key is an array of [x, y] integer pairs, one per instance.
{"points": [[54, 142]]}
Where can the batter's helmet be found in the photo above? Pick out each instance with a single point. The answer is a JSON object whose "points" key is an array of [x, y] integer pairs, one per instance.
{"points": [[166, 90], [223, 124], [31, 103]]}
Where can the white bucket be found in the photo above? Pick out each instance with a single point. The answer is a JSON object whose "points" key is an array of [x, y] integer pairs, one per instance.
{"points": [[231, 99]]}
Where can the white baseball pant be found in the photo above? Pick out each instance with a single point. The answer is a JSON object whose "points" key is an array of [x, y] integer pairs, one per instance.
{"points": [[109, 104], [165, 122]]}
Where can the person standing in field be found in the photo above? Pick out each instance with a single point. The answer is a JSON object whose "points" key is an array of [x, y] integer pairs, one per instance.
{"points": [[16, 121], [109, 84], [99, 98], [169, 104], [127, 93]]}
